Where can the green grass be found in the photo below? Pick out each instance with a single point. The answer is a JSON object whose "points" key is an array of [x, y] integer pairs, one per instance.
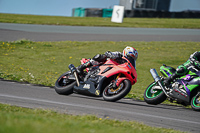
{"points": [[98, 21], [43, 62], [23, 120]]}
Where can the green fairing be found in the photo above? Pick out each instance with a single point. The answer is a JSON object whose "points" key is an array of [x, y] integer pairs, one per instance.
{"points": [[162, 68], [190, 73], [190, 87]]}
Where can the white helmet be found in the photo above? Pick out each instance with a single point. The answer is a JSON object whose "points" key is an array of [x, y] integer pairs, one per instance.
{"points": [[130, 51]]}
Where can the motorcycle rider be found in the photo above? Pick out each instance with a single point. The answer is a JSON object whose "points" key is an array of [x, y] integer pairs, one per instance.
{"points": [[192, 64], [129, 52]]}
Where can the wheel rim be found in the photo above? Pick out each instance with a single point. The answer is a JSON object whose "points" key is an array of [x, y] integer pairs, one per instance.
{"points": [[151, 93], [112, 91], [196, 101], [64, 81]]}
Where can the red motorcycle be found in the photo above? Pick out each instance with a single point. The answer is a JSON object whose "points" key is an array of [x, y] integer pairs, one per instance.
{"points": [[110, 80]]}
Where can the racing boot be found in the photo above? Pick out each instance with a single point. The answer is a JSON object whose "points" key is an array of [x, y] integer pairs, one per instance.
{"points": [[169, 79]]}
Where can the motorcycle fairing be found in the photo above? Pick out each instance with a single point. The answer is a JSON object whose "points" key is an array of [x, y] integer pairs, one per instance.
{"points": [[95, 80], [86, 88], [122, 69], [180, 93], [189, 83], [167, 70], [108, 65], [107, 69], [90, 87], [94, 86]]}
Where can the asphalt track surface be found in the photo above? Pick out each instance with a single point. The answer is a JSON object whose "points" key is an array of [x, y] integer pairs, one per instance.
{"points": [[26, 95], [13, 32], [167, 116]]}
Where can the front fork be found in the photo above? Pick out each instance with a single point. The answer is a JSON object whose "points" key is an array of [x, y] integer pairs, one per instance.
{"points": [[73, 70], [114, 86], [116, 83], [158, 80]]}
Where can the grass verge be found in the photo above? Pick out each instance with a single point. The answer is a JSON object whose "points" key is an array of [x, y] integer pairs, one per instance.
{"points": [[98, 21], [22, 120]]}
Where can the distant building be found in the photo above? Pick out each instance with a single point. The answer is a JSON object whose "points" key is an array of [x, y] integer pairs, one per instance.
{"points": [[91, 12], [161, 5], [161, 8], [147, 8]]}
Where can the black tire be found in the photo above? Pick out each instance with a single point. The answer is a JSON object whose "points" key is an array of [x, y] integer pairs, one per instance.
{"points": [[67, 88], [195, 102], [123, 91], [154, 98]]}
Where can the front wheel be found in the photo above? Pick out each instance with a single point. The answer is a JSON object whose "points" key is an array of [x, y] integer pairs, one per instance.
{"points": [[154, 94], [195, 102], [64, 85], [112, 94]]}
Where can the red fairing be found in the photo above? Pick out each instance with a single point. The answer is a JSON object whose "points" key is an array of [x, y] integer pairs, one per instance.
{"points": [[126, 69]]}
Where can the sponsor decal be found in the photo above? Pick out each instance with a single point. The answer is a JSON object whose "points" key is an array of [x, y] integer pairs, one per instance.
{"points": [[180, 92], [86, 86], [97, 92]]}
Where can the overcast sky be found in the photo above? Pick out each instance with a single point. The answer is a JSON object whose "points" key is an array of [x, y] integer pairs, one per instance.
{"points": [[51, 7]]}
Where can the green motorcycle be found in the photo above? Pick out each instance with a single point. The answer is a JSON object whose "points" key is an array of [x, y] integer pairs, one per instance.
{"points": [[184, 90]]}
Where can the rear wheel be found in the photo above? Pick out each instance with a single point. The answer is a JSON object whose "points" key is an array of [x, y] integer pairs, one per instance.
{"points": [[111, 94], [64, 85], [195, 102], [154, 94]]}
